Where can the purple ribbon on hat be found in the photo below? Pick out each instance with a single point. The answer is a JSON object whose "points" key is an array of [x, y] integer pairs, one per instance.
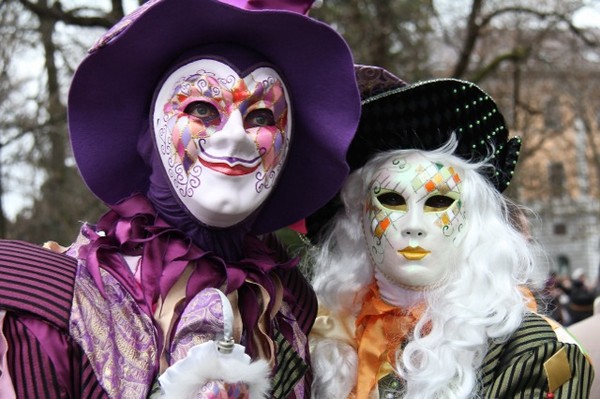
{"points": [[299, 6], [132, 228]]}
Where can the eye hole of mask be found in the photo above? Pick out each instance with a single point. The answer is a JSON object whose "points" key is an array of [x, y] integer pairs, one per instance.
{"points": [[205, 111], [392, 200], [438, 203], [258, 118]]}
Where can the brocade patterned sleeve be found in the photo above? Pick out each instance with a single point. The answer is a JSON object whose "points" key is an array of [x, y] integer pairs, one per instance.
{"points": [[540, 361]]}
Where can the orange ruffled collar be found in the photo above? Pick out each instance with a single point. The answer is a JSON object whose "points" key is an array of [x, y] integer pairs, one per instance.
{"points": [[380, 330]]}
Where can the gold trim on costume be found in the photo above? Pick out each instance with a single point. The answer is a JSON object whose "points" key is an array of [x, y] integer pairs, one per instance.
{"points": [[164, 315], [557, 369]]}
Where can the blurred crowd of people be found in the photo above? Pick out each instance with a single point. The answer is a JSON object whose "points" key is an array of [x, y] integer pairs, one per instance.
{"points": [[570, 299]]}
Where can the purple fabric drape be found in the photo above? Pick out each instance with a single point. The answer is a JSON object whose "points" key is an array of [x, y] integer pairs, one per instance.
{"points": [[133, 228]]}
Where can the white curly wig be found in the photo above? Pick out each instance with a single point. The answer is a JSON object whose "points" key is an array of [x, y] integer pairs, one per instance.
{"points": [[479, 301]]}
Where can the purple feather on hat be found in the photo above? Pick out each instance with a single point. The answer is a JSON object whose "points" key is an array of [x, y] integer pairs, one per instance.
{"points": [[298, 6]]}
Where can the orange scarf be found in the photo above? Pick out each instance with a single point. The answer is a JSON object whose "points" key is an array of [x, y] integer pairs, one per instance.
{"points": [[380, 329]]}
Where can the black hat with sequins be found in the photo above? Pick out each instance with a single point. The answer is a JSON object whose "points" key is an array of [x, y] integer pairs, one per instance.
{"points": [[424, 115]]}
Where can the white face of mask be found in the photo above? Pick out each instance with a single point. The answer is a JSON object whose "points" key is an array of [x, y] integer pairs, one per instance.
{"points": [[413, 219], [222, 138]]}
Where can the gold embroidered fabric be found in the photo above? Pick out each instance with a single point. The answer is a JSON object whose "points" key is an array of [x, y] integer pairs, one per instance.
{"points": [[116, 336]]}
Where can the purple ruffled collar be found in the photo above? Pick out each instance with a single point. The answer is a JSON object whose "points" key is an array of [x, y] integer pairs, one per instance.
{"points": [[132, 228]]}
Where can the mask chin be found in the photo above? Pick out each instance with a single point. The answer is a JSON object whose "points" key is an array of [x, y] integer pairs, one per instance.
{"points": [[227, 243], [222, 204]]}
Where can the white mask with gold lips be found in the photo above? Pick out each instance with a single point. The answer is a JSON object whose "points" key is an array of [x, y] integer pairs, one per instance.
{"points": [[413, 220]]}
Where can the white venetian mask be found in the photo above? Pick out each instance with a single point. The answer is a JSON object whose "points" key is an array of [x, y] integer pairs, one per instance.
{"points": [[413, 219], [222, 138]]}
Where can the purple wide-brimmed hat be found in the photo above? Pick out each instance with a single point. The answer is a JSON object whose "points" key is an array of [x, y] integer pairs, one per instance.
{"points": [[111, 93]]}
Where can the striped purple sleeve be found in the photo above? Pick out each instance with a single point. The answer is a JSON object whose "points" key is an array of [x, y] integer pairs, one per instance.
{"points": [[36, 290], [36, 280], [301, 298]]}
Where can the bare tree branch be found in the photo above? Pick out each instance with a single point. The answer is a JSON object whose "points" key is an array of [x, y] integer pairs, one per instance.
{"points": [[55, 12], [471, 37], [516, 55]]}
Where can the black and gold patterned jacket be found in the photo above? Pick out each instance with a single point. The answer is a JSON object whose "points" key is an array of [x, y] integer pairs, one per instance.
{"points": [[539, 361]]}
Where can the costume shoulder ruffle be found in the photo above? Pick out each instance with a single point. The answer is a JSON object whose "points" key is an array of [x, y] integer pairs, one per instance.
{"points": [[37, 281]]}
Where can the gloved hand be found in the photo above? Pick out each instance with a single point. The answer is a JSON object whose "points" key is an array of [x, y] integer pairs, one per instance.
{"points": [[216, 368]]}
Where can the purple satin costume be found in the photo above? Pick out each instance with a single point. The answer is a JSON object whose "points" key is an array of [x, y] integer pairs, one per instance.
{"points": [[86, 320]]}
